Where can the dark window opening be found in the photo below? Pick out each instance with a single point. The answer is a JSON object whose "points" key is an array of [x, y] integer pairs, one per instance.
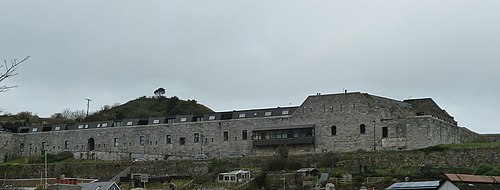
{"points": [[46, 129], [226, 136], [169, 139], [91, 144], [142, 122], [141, 140], [362, 129], [25, 130], [226, 116], [197, 118], [182, 141], [385, 132], [420, 113], [334, 130], [196, 138], [244, 135]]}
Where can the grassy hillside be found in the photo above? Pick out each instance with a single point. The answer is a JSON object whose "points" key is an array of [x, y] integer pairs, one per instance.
{"points": [[144, 107]]}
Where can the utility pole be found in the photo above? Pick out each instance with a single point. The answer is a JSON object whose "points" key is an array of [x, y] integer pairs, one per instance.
{"points": [[88, 105], [46, 184], [284, 183]]}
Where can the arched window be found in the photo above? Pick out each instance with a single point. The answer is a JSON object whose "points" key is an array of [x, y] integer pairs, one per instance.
{"points": [[334, 130], [91, 144], [362, 129]]}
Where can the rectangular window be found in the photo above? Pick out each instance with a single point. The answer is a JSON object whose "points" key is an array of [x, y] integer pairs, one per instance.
{"points": [[156, 121], [98, 125], [168, 139], [385, 132], [183, 119], [196, 137], [66, 144], [80, 126], [284, 112], [105, 125], [141, 140], [171, 120], [115, 141], [242, 115], [34, 130], [57, 128], [226, 136], [244, 135], [86, 126], [362, 129], [268, 113], [129, 123], [212, 117], [334, 130], [117, 124], [182, 141]]}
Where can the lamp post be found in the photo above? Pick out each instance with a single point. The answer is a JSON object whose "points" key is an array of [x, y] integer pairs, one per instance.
{"points": [[88, 105]]}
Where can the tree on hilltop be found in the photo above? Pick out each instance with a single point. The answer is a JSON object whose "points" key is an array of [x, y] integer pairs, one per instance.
{"points": [[160, 92], [10, 71]]}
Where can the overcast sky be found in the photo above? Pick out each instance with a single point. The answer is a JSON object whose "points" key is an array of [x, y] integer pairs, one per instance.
{"points": [[253, 54]]}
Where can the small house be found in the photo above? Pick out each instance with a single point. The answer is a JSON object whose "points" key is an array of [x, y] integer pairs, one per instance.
{"points": [[234, 176], [307, 172], [307, 176]]}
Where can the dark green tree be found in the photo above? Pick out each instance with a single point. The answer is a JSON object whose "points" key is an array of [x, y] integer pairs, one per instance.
{"points": [[160, 92]]}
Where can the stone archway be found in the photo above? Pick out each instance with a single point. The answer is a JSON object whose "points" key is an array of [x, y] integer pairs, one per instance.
{"points": [[91, 144]]}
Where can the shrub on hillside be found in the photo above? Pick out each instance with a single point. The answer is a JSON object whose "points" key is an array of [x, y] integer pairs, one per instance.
{"points": [[483, 169]]}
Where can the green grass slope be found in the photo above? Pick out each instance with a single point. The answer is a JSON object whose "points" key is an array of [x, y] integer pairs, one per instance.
{"points": [[145, 107]]}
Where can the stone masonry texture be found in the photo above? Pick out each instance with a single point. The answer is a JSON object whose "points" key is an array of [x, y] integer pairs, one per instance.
{"points": [[343, 122]]}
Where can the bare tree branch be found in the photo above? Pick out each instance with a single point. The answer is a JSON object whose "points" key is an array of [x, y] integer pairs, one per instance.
{"points": [[10, 71]]}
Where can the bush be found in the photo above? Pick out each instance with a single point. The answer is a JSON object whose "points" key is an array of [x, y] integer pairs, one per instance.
{"points": [[283, 151], [494, 172], [483, 169], [259, 181], [275, 164], [434, 149]]}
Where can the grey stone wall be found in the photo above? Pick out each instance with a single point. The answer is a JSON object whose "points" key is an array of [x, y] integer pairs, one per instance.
{"points": [[448, 158], [154, 139], [346, 112], [7, 142]]}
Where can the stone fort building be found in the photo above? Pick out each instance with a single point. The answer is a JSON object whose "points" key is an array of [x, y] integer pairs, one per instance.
{"points": [[323, 123]]}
